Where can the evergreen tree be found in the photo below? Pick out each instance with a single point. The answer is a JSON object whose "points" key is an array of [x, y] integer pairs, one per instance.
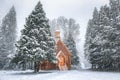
{"points": [[8, 38], [102, 50], [114, 37], [72, 47], [36, 43], [90, 44]]}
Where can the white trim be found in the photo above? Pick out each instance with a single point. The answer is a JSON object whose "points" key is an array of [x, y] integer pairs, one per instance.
{"points": [[59, 54]]}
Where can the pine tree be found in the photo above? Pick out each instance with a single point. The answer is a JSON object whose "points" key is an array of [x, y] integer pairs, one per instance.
{"points": [[102, 49], [114, 37], [36, 43], [8, 38], [90, 43], [72, 47]]}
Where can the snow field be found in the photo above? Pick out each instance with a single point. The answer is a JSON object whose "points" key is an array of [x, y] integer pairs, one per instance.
{"points": [[59, 75]]}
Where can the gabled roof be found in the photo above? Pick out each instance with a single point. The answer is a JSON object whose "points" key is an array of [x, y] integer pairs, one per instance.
{"points": [[62, 47], [59, 53]]}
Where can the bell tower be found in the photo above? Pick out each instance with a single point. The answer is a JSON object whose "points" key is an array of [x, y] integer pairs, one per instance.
{"points": [[57, 35]]}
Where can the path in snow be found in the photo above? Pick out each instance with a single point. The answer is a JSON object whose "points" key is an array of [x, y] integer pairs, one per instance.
{"points": [[59, 75]]}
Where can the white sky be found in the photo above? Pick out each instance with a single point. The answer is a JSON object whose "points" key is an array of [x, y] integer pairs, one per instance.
{"points": [[80, 10]]}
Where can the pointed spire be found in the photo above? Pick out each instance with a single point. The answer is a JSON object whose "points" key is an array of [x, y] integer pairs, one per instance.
{"points": [[57, 33]]}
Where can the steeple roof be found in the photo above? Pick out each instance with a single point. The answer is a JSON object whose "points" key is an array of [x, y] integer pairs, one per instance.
{"points": [[62, 47]]}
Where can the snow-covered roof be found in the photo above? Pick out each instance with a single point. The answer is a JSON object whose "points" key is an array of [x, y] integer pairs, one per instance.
{"points": [[60, 52], [57, 30], [62, 47]]}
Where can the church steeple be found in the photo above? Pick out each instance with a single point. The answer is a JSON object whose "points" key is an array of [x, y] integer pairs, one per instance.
{"points": [[57, 35]]}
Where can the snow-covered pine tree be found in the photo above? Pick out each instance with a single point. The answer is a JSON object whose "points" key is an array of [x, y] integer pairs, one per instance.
{"points": [[109, 32], [103, 49], [96, 37], [114, 37], [103, 55], [72, 47], [90, 44], [8, 38], [36, 43]]}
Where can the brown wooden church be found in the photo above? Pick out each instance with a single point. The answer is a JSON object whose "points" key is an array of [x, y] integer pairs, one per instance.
{"points": [[63, 55]]}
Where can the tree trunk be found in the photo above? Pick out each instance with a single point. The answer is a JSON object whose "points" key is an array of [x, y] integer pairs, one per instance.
{"points": [[24, 66], [36, 67]]}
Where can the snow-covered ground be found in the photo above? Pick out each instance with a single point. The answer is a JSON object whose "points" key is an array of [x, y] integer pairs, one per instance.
{"points": [[59, 75]]}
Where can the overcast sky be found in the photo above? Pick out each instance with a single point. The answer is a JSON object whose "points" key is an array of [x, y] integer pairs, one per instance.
{"points": [[80, 10]]}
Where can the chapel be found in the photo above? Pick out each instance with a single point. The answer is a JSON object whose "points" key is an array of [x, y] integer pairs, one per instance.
{"points": [[63, 56]]}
